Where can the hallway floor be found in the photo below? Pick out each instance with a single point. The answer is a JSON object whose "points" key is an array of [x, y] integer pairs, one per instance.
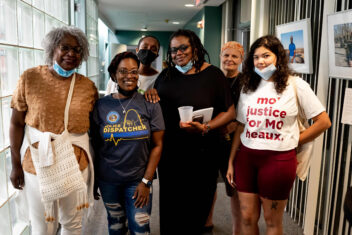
{"points": [[222, 217]]}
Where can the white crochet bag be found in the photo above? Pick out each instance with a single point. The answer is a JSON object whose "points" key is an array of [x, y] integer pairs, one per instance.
{"points": [[60, 176], [304, 151]]}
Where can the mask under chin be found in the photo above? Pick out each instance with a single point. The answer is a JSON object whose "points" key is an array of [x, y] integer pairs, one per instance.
{"points": [[267, 72], [127, 93]]}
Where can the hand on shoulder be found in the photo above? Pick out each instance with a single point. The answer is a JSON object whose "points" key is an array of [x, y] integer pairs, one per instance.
{"points": [[152, 96]]}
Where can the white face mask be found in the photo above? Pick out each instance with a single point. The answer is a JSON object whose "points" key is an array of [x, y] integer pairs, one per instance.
{"points": [[267, 72]]}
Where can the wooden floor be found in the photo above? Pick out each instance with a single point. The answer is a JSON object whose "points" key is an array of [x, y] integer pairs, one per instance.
{"points": [[97, 224]]}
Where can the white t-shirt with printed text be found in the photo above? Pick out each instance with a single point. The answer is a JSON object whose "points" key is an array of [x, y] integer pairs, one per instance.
{"points": [[270, 118]]}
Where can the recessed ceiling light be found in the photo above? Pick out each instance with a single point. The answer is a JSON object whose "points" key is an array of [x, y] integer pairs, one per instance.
{"points": [[189, 5], [144, 29], [176, 22]]}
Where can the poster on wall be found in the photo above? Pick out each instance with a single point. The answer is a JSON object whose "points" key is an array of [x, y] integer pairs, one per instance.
{"points": [[296, 39], [346, 117], [340, 44]]}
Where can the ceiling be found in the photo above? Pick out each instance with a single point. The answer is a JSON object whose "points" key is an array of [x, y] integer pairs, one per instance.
{"points": [[155, 15]]}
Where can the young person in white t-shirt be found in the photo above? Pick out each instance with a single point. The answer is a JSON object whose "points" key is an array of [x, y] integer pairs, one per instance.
{"points": [[262, 164], [147, 51]]}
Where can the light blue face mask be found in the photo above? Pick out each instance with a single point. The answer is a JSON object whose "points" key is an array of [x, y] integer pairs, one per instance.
{"points": [[267, 72], [61, 71], [186, 68]]}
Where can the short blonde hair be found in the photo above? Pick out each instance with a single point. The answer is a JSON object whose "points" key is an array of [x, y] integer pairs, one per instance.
{"points": [[235, 45]]}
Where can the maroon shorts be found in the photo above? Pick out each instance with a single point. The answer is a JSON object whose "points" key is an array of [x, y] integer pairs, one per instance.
{"points": [[265, 172]]}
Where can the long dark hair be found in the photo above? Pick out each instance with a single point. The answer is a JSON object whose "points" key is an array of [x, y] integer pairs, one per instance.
{"points": [[251, 80], [198, 50]]}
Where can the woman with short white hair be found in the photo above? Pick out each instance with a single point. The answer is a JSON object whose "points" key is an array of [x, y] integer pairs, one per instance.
{"points": [[48, 135], [231, 57]]}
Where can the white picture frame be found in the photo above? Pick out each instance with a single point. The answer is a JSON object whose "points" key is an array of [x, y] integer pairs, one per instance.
{"points": [[340, 44], [300, 53]]}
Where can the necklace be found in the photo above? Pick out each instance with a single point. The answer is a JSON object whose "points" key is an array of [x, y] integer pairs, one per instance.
{"points": [[124, 108]]}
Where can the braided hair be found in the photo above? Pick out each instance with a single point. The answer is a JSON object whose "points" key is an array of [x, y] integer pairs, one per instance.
{"points": [[198, 50]]}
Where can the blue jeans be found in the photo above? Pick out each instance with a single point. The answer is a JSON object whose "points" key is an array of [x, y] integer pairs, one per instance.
{"points": [[119, 204]]}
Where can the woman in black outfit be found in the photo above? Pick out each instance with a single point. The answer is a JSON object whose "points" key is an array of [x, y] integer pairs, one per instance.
{"points": [[189, 164], [231, 57]]}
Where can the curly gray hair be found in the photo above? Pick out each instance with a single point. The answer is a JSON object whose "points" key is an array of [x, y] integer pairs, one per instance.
{"points": [[52, 40]]}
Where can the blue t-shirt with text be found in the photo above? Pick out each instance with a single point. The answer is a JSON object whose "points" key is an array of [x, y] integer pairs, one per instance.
{"points": [[121, 141]]}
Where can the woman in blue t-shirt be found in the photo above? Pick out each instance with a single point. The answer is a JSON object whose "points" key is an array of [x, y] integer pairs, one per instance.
{"points": [[127, 133]]}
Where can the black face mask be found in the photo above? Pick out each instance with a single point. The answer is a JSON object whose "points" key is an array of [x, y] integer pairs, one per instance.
{"points": [[127, 93], [146, 56]]}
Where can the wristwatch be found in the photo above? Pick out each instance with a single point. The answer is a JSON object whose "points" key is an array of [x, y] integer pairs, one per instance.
{"points": [[148, 183]]}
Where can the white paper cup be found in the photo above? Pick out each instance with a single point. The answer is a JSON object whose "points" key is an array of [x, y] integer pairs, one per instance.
{"points": [[186, 113]]}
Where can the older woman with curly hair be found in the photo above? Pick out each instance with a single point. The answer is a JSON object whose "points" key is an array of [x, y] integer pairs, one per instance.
{"points": [[48, 134], [263, 163]]}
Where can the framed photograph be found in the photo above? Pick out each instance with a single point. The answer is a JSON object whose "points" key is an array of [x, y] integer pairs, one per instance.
{"points": [[296, 39], [340, 44]]}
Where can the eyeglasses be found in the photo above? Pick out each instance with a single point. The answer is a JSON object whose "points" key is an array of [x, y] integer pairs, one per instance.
{"points": [[66, 49], [125, 72], [182, 48]]}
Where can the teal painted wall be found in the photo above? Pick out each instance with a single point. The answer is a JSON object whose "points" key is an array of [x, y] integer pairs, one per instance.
{"points": [[132, 37], [210, 35], [192, 25]]}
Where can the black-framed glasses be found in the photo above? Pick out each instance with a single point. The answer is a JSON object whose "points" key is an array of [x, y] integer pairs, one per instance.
{"points": [[125, 72], [66, 49], [182, 48]]}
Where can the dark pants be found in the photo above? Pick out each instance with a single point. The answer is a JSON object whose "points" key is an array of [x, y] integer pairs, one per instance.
{"points": [[188, 177], [224, 163]]}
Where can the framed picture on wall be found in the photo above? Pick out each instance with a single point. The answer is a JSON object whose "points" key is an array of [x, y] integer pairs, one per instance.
{"points": [[340, 44], [296, 39]]}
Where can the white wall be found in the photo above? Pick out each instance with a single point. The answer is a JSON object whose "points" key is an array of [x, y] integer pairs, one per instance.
{"points": [[259, 19]]}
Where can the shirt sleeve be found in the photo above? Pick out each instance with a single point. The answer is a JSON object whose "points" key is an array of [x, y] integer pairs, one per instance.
{"points": [[224, 93], [240, 110], [308, 101], [159, 77], [94, 133], [95, 95], [19, 101], [236, 90], [157, 119]]}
